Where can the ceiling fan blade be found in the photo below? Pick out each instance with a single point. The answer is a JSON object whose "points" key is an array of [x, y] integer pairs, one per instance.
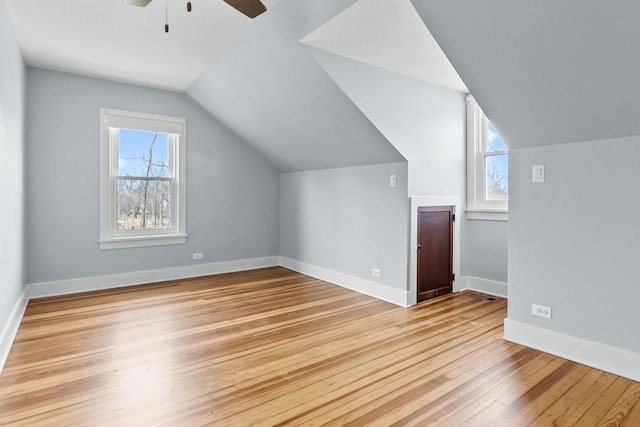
{"points": [[141, 3], [251, 8]]}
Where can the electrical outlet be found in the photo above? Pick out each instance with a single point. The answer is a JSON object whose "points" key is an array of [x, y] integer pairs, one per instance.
{"points": [[197, 255], [393, 180], [540, 310], [375, 272]]}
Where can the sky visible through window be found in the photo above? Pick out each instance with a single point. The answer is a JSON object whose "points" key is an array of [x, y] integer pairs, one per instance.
{"points": [[133, 153], [495, 142], [497, 167]]}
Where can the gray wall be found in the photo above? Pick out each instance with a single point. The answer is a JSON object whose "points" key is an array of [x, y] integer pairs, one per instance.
{"points": [[12, 141], [347, 220], [487, 249], [574, 240], [426, 123], [232, 193]]}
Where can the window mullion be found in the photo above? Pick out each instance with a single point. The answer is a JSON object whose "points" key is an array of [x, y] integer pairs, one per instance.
{"points": [[143, 178]]}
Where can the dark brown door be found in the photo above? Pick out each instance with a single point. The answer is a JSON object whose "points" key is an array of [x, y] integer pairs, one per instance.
{"points": [[435, 251]]}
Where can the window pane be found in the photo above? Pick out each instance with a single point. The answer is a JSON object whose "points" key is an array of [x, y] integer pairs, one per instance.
{"points": [[143, 153], [143, 204], [494, 142], [497, 178]]}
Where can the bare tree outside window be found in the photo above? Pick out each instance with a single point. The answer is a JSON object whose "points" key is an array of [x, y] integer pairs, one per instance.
{"points": [[497, 178], [143, 183], [142, 179], [496, 166]]}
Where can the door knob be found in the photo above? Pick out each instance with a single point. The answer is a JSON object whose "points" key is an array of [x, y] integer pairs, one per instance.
{"points": [[419, 246]]}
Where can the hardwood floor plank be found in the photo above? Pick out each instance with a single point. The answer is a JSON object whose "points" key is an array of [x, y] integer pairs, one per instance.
{"points": [[617, 414], [581, 395], [633, 417], [604, 403], [274, 347]]}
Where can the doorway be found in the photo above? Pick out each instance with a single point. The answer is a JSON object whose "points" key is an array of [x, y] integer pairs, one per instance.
{"points": [[434, 251]]}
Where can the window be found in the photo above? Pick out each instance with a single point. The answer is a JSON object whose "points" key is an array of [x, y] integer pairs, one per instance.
{"points": [[142, 180], [487, 167]]}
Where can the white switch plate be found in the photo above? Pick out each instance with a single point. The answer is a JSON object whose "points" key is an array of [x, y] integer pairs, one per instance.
{"points": [[537, 173], [392, 180]]}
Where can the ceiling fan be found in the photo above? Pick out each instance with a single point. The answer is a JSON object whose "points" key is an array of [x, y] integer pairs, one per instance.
{"points": [[250, 8]]}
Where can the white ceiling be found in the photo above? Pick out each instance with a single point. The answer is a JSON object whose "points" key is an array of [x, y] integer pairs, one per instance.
{"points": [[104, 38], [388, 34]]}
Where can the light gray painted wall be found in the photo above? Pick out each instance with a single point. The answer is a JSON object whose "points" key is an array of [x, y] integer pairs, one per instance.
{"points": [[427, 125], [232, 193], [487, 249], [12, 142], [574, 240], [348, 220]]}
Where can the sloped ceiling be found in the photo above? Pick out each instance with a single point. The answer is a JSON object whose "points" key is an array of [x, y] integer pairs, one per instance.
{"points": [[271, 92], [253, 75], [545, 71], [387, 34]]}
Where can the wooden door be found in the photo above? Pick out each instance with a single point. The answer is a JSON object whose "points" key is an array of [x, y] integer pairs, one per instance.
{"points": [[435, 251]]}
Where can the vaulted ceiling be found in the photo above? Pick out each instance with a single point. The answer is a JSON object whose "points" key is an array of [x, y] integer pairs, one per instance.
{"points": [[256, 76]]}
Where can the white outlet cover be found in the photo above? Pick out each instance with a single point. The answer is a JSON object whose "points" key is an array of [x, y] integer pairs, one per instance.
{"points": [[540, 310]]}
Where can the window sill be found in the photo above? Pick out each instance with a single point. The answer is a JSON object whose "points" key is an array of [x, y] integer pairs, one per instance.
{"points": [[142, 241], [487, 215]]}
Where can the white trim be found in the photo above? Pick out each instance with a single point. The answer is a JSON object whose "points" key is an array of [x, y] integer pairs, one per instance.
{"points": [[476, 157], [366, 287], [176, 127], [416, 202], [133, 120], [62, 287], [490, 287], [10, 330], [487, 215], [597, 355], [143, 241]]}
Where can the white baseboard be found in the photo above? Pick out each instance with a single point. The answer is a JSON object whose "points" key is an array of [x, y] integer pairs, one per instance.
{"points": [[11, 328], [597, 355], [62, 287], [490, 287], [373, 289]]}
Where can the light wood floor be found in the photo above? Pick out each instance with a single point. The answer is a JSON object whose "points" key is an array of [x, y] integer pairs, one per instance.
{"points": [[273, 347]]}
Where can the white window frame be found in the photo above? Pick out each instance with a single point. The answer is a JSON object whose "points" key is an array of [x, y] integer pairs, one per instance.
{"points": [[478, 207], [110, 236]]}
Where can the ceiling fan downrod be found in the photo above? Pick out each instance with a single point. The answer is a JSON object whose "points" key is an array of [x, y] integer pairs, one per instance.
{"points": [[188, 6]]}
